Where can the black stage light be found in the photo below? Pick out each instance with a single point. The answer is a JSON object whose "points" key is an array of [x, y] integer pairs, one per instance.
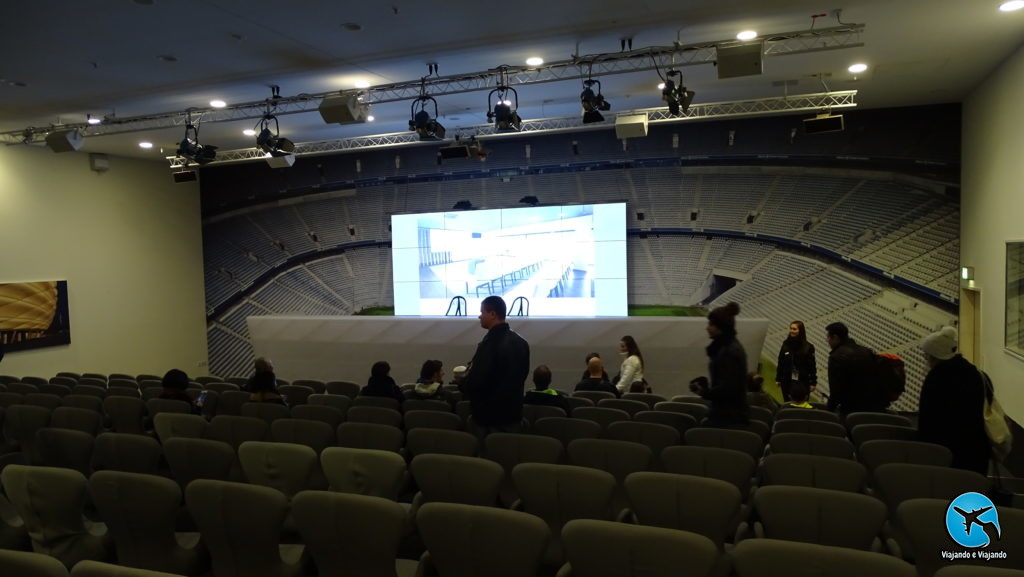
{"points": [[271, 141], [504, 112], [426, 126], [593, 102], [192, 151]]}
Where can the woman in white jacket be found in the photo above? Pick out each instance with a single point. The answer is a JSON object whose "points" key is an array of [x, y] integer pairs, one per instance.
{"points": [[631, 374]]}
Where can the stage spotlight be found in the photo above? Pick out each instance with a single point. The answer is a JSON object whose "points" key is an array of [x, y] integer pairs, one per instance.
{"points": [[272, 142], [463, 205], [530, 200], [191, 150], [675, 95], [421, 122], [593, 103], [504, 112]]}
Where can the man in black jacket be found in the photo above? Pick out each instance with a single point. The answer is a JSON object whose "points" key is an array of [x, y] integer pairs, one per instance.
{"points": [[852, 375], [497, 372]]}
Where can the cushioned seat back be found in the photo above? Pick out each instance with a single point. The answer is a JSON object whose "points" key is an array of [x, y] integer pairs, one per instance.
{"points": [[370, 436], [603, 416], [734, 467], [813, 471], [316, 435], [770, 557], [191, 459], [236, 430], [620, 458], [295, 395], [461, 540], [286, 467], [89, 422], [126, 414], [432, 420], [126, 452], [374, 414], [20, 425], [457, 479], [810, 426], [26, 564], [811, 444], [169, 425], [899, 482], [364, 471], [603, 549], [140, 512], [700, 505], [350, 535], [340, 402], [421, 441], [566, 429], [746, 441], [533, 412], [821, 516], [268, 412], [881, 451], [89, 402], [631, 407], [65, 448], [681, 422], [805, 414], [331, 416]]}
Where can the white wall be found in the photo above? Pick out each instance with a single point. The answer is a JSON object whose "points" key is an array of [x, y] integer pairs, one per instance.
{"points": [[991, 214], [128, 241]]}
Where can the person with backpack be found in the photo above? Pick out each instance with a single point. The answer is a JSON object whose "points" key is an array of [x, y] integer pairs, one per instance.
{"points": [[853, 379], [952, 403]]}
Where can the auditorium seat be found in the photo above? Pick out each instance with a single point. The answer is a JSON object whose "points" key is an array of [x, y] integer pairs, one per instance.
{"points": [[316, 435], [190, 459], [345, 388], [126, 452], [872, 431], [51, 502], [236, 430], [140, 513], [881, 451], [455, 479], [745, 441], [295, 395], [221, 387], [268, 412], [374, 414], [20, 425], [66, 448], [23, 388], [83, 402], [510, 449], [426, 405], [620, 458], [654, 436], [810, 426], [567, 429], [601, 548], [431, 420], [576, 402], [425, 440], [809, 444], [340, 402], [369, 436], [168, 425], [649, 398], [735, 467], [13, 535], [230, 402], [864, 418], [631, 407], [702, 505], [820, 516], [560, 493], [351, 535], [364, 471], [29, 564], [47, 401], [55, 389], [681, 422], [318, 386], [594, 396], [156, 406], [806, 414], [813, 471], [287, 467], [126, 414], [85, 420], [603, 416], [243, 538], [696, 410], [533, 412], [376, 402], [770, 558]]}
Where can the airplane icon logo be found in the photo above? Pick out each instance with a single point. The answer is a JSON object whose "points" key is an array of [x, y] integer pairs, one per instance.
{"points": [[968, 510]]}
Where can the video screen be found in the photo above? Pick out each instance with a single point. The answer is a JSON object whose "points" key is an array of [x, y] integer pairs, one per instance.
{"points": [[556, 261]]}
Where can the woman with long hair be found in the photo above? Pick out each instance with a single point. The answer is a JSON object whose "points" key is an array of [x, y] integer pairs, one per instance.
{"points": [[796, 361], [631, 373]]}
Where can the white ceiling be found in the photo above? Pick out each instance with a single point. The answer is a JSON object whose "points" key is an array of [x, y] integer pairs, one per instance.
{"points": [[78, 58]]}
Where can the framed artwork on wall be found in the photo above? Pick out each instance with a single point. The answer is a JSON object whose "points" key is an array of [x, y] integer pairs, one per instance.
{"points": [[1014, 339], [34, 315]]}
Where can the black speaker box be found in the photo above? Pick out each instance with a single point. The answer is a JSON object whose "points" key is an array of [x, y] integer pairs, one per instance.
{"points": [[825, 123], [186, 176]]}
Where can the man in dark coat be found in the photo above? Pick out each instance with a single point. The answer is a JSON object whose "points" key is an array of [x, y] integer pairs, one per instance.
{"points": [[497, 372], [952, 403], [852, 375]]}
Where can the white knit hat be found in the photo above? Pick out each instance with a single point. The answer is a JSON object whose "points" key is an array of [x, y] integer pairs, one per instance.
{"points": [[941, 345], [459, 371]]}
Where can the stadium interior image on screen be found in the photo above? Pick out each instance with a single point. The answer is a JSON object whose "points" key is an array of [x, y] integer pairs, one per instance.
{"points": [[565, 261]]}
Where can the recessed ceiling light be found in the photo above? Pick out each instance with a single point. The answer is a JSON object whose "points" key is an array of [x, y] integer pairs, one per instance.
{"points": [[370, 118], [534, 61], [249, 132], [362, 84], [218, 103], [746, 35], [858, 68], [92, 119], [146, 144], [1011, 5], [661, 86]]}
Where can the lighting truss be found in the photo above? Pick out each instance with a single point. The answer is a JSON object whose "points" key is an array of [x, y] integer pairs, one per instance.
{"points": [[659, 115], [663, 57]]}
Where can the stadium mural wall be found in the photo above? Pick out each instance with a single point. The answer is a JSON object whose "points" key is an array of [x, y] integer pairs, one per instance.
{"points": [[860, 226], [34, 315]]}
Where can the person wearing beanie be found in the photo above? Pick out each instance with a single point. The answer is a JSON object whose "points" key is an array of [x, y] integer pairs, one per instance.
{"points": [[952, 403], [727, 385], [380, 383], [175, 383]]}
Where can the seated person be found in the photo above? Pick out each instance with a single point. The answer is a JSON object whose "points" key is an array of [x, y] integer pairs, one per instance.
{"points": [[756, 396], [175, 382], [597, 379], [586, 372], [798, 395], [542, 393], [381, 384], [263, 389], [260, 365], [430, 385], [459, 377]]}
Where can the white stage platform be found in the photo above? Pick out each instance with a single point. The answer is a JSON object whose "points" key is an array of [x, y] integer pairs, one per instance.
{"points": [[344, 348]]}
